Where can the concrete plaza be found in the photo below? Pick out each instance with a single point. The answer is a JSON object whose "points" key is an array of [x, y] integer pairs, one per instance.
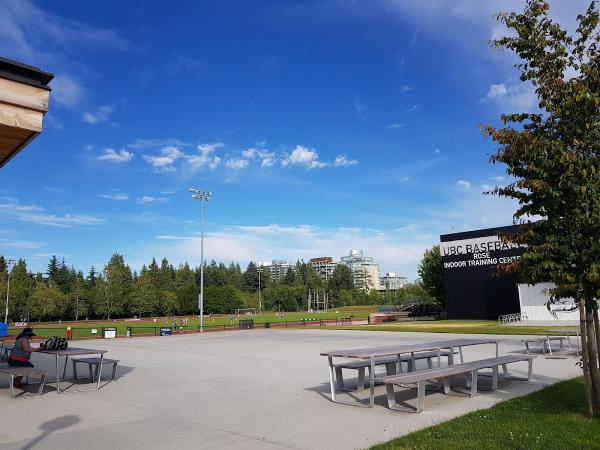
{"points": [[240, 389]]}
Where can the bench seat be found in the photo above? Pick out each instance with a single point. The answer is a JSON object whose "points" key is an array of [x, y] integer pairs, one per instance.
{"points": [[545, 341], [392, 363], [470, 369], [14, 372], [95, 363]]}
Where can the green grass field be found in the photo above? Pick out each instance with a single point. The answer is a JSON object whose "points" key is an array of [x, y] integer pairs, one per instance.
{"points": [[83, 329], [552, 418], [457, 326]]}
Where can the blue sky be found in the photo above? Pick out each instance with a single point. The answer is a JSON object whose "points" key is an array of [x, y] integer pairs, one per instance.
{"points": [[319, 126]]}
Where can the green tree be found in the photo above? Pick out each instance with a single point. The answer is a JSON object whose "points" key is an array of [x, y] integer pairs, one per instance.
{"points": [[290, 277], [431, 272], [250, 280], [186, 290], [144, 295], [342, 279], [221, 300], [116, 287], [44, 299], [553, 155]]}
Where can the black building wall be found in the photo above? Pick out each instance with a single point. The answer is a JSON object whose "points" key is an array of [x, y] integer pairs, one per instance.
{"points": [[474, 288]]}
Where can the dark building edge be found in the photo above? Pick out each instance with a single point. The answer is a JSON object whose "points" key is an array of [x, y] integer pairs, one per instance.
{"points": [[23, 73]]}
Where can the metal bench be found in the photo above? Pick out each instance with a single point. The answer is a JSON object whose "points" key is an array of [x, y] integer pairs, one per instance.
{"points": [[95, 363], [546, 341], [5, 351], [469, 369], [391, 363], [14, 372]]}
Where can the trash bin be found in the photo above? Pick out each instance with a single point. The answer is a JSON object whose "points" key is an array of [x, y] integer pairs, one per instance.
{"points": [[128, 331], [3, 329], [267, 325], [246, 324]]}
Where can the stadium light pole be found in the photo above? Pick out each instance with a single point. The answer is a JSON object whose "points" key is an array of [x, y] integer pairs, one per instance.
{"points": [[9, 265], [202, 196]]}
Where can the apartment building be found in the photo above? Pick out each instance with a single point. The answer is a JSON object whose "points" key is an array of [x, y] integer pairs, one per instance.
{"points": [[324, 266], [365, 271], [391, 281]]}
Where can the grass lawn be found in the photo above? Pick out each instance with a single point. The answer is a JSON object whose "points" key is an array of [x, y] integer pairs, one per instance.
{"points": [[83, 329], [552, 418], [457, 326]]}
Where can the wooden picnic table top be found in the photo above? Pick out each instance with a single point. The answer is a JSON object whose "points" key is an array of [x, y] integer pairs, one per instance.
{"points": [[74, 351], [367, 353]]}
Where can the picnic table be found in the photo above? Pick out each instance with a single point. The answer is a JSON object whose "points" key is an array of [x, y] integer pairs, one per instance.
{"points": [[70, 352], [372, 353], [565, 332]]}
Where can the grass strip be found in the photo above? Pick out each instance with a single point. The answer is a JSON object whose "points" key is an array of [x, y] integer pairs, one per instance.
{"points": [[551, 418]]}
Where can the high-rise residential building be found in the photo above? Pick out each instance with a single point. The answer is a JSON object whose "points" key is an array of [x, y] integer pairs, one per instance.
{"points": [[324, 266], [276, 269], [365, 271], [391, 282]]}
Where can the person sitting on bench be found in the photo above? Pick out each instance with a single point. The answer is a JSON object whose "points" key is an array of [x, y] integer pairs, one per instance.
{"points": [[21, 353]]}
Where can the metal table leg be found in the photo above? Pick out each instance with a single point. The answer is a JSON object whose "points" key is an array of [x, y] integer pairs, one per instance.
{"points": [[65, 367], [57, 376], [100, 370], [372, 382], [331, 378]]}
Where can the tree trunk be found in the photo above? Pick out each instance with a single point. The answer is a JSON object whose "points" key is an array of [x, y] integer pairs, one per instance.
{"points": [[597, 330], [593, 360], [584, 357]]}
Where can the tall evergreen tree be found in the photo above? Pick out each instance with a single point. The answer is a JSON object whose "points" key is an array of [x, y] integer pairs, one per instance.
{"points": [[250, 280]]}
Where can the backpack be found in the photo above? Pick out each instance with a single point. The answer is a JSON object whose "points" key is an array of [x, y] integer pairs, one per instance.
{"points": [[55, 343]]}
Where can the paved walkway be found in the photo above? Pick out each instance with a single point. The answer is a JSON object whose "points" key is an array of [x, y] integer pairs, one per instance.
{"points": [[251, 389]]}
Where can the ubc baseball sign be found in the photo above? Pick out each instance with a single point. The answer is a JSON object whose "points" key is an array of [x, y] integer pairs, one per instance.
{"points": [[475, 289], [482, 251]]}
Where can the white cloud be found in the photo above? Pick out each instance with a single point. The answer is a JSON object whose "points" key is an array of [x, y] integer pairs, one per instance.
{"points": [[13, 210], [67, 91], [303, 156], [236, 164], [101, 114], [111, 155], [33, 35], [487, 187], [517, 96], [412, 108], [463, 184], [360, 108], [16, 243], [496, 90], [267, 158], [206, 157], [164, 162], [394, 250], [406, 88], [116, 196], [249, 153], [148, 200], [343, 161], [142, 144], [392, 126]]}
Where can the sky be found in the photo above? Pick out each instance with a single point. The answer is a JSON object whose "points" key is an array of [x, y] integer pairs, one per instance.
{"points": [[320, 126]]}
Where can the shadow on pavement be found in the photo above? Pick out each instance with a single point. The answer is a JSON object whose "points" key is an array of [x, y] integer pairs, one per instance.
{"points": [[51, 426]]}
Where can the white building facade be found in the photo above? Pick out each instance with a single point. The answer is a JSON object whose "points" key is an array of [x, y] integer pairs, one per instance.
{"points": [[365, 271], [391, 282]]}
